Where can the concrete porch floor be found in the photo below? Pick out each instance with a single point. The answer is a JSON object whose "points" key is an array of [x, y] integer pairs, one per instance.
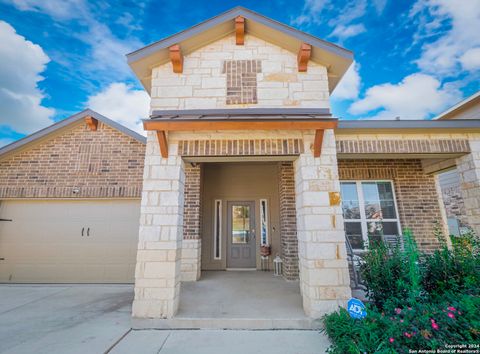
{"points": [[236, 300]]}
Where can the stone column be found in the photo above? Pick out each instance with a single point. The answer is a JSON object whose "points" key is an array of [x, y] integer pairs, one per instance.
{"points": [[288, 222], [157, 274], [324, 277], [468, 167], [191, 245]]}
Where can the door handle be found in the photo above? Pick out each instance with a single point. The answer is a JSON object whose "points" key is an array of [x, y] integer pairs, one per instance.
{"points": [[88, 232], [83, 229]]}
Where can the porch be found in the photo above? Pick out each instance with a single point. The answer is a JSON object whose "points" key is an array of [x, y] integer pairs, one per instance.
{"points": [[236, 300]]}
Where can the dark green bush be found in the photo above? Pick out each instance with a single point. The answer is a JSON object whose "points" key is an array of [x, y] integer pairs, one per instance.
{"points": [[418, 301], [396, 330], [452, 271], [392, 275]]}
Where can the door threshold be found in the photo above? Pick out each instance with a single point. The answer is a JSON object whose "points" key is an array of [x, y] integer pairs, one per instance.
{"points": [[241, 269]]}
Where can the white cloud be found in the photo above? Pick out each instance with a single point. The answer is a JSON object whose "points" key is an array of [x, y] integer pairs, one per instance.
{"points": [[21, 63], [123, 104], [58, 9], [340, 18], [107, 51], [349, 86], [416, 97], [344, 32], [379, 6], [311, 12], [107, 54], [471, 59], [443, 56]]}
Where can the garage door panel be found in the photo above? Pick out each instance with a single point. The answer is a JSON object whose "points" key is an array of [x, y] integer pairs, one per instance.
{"points": [[44, 242]]}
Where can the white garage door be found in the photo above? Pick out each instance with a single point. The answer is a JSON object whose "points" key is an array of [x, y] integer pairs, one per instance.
{"points": [[68, 241]]}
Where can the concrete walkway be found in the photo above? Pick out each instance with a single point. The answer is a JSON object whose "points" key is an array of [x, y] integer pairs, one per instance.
{"points": [[222, 341], [96, 318]]}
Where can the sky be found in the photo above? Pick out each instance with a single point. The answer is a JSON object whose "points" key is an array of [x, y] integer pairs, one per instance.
{"points": [[413, 59]]}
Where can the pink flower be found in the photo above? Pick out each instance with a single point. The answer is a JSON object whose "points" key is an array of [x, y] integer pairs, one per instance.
{"points": [[391, 340], [451, 308], [459, 312], [398, 311], [408, 335], [410, 308], [451, 315], [401, 321], [435, 326]]}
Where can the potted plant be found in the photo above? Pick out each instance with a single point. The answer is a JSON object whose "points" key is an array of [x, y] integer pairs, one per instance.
{"points": [[265, 250]]}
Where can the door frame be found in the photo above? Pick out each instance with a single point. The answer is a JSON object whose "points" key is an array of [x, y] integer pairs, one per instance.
{"points": [[253, 224]]}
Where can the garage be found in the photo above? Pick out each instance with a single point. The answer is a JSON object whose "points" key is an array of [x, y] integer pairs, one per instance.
{"points": [[68, 241]]}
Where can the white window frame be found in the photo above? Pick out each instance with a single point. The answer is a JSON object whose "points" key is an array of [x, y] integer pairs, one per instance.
{"points": [[363, 218], [217, 233], [267, 236]]}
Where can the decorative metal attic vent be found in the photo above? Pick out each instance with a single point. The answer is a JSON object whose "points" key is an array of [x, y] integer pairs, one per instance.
{"points": [[242, 80]]}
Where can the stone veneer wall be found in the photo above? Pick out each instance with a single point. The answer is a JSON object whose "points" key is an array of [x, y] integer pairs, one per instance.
{"points": [[157, 274], [192, 224], [288, 222], [468, 168], [324, 276], [416, 194], [203, 84], [454, 205], [100, 164]]}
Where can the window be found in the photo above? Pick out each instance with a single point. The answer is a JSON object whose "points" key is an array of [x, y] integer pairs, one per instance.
{"points": [[369, 211], [264, 221], [217, 229]]}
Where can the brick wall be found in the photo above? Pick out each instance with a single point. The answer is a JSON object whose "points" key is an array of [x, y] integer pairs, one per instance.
{"points": [[417, 200], [192, 196], [242, 80], [288, 221], [241, 147], [404, 146], [203, 83], [102, 163]]}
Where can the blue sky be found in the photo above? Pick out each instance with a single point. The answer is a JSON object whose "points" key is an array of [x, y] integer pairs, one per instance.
{"points": [[413, 59]]}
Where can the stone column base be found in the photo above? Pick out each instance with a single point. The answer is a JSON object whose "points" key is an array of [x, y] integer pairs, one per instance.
{"points": [[191, 260]]}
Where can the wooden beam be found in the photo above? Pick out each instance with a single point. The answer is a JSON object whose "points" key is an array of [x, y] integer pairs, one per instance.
{"points": [[303, 56], [238, 125], [162, 141], [177, 58], [317, 144], [240, 30], [92, 123]]}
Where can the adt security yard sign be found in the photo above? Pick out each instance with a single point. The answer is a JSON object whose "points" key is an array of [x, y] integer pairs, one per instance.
{"points": [[356, 308]]}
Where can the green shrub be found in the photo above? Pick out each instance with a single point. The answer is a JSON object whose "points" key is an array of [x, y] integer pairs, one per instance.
{"points": [[418, 301], [391, 275], [453, 271], [396, 330]]}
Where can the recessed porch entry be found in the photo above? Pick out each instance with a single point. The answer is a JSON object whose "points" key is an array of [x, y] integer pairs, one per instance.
{"points": [[240, 212]]}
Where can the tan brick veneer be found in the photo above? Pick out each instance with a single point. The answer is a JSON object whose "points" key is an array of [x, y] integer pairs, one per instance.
{"points": [[241, 147], [416, 194], [102, 163], [409, 146], [288, 222], [192, 224]]}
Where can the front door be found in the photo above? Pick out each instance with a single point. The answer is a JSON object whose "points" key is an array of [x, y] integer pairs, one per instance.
{"points": [[241, 235]]}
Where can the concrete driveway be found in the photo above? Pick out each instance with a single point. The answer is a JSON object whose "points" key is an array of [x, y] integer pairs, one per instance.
{"points": [[96, 319]]}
